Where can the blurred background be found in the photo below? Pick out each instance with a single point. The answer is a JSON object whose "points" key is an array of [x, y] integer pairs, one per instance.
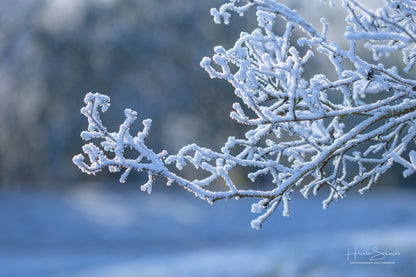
{"points": [[145, 55]]}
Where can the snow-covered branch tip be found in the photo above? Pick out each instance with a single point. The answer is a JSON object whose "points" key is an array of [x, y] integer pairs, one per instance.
{"points": [[327, 130]]}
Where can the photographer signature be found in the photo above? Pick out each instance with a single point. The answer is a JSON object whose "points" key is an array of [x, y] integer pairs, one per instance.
{"points": [[374, 254]]}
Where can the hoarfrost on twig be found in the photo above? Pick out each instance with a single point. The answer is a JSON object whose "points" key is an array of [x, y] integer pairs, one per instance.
{"points": [[299, 135]]}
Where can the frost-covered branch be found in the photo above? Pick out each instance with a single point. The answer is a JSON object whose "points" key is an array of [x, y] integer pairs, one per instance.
{"points": [[336, 132]]}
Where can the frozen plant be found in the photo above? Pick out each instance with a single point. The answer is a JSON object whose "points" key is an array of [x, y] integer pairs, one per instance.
{"points": [[305, 132]]}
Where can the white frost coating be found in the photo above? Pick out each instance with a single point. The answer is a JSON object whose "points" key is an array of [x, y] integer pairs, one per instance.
{"points": [[298, 134], [286, 208], [148, 186]]}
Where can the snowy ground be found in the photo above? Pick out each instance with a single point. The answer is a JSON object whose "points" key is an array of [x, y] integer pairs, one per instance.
{"points": [[90, 232]]}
